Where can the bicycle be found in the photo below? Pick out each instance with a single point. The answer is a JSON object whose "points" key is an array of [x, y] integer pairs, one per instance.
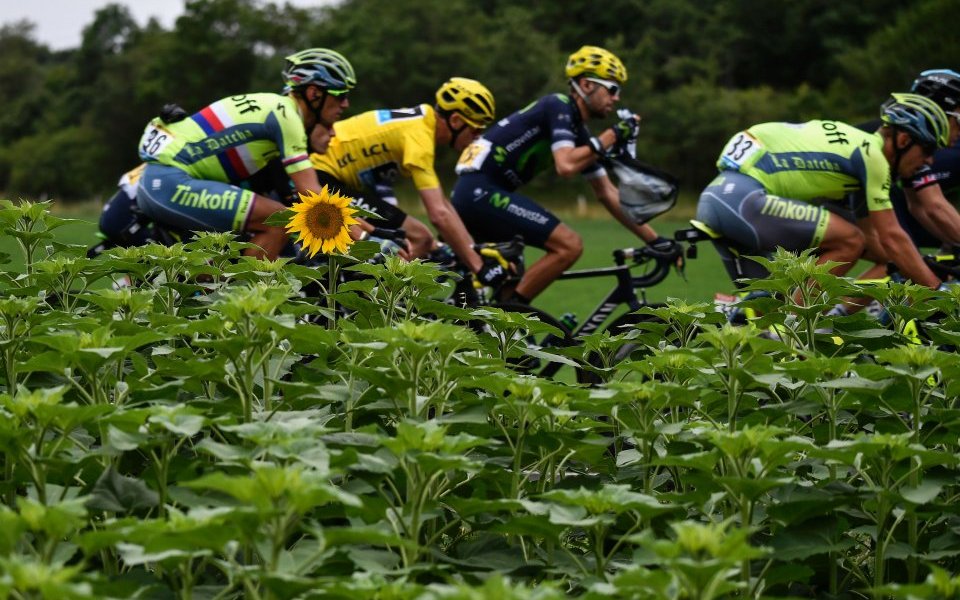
{"points": [[629, 291]]}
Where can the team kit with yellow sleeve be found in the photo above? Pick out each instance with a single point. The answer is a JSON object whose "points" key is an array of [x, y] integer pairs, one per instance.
{"points": [[194, 165], [780, 183], [372, 150]]}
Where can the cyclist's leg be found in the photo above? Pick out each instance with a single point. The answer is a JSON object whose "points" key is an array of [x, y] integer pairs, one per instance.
{"points": [[494, 214], [564, 247], [270, 238], [170, 195], [842, 242], [873, 251], [739, 208], [121, 223]]}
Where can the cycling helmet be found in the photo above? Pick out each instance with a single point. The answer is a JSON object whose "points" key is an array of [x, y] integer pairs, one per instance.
{"points": [[468, 98], [940, 85], [919, 116], [318, 66], [594, 61]]}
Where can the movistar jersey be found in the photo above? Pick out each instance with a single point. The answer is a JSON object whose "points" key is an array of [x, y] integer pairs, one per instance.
{"points": [[231, 139], [518, 147], [375, 148], [813, 160]]}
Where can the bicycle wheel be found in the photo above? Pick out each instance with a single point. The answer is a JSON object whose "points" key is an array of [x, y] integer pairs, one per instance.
{"points": [[537, 357]]}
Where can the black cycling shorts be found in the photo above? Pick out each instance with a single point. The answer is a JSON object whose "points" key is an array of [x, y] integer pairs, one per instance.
{"points": [[493, 214], [738, 207]]}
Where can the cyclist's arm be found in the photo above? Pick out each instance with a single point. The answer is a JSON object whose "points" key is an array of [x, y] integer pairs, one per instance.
{"points": [[443, 216], [571, 160], [899, 246], [935, 213], [305, 181], [610, 198]]}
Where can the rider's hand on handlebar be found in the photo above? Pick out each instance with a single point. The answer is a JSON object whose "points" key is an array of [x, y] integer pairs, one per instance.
{"points": [[495, 270], [666, 246], [663, 245], [946, 286]]}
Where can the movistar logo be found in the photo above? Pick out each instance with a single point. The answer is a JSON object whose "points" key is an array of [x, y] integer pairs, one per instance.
{"points": [[500, 155], [499, 200]]}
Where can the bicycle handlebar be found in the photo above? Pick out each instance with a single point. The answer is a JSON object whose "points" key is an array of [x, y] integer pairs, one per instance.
{"points": [[512, 251], [663, 261], [398, 235], [943, 265]]}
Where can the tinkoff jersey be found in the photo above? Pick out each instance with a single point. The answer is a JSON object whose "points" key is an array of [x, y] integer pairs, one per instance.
{"points": [[825, 160], [375, 148], [518, 147], [231, 139]]}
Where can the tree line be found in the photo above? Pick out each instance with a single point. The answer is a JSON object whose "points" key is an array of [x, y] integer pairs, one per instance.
{"points": [[699, 70]]}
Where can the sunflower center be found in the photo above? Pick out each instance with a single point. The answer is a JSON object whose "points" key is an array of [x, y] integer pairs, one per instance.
{"points": [[324, 221]]}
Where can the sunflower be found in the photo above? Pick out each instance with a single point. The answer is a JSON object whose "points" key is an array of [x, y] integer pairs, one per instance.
{"points": [[322, 221]]}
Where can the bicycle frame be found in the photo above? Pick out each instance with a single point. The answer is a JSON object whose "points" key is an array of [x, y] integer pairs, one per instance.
{"points": [[625, 291]]}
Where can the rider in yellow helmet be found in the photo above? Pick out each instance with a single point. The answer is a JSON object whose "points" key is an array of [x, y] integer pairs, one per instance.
{"points": [[370, 151], [552, 129]]}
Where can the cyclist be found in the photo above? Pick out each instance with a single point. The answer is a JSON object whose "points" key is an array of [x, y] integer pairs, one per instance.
{"points": [[920, 201], [510, 153], [786, 184], [926, 190], [372, 150], [194, 164], [122, 224]]}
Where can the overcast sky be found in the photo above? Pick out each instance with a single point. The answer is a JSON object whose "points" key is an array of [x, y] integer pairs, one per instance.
{"points": [[60, 22]]}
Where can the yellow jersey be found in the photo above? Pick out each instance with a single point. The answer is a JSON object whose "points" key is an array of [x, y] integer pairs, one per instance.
{"points": [[375, 148]]}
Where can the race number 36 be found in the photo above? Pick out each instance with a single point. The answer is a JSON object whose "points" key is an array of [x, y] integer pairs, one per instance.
{"points": [[154, 140], [740, 148]]}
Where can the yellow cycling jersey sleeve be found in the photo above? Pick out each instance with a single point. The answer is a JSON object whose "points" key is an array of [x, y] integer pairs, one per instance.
{"points": [[814, 160], [375, 148]]}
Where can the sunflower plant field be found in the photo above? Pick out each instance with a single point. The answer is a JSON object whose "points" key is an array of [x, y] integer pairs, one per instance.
{"points": [[233, 428]]}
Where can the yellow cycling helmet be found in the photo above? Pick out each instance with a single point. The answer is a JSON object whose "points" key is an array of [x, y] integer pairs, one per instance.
{"points": [[594, 61], [468, 98]]}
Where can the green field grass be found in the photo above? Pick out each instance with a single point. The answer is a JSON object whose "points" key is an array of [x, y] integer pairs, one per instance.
{"points": [[704, 274]]}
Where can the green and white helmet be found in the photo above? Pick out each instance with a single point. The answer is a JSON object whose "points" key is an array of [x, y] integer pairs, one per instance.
{"points": [[919, 116], [320, 67]]}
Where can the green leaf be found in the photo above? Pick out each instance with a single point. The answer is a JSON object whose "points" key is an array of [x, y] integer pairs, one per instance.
{"points": [[924, 493], [117, 493]]}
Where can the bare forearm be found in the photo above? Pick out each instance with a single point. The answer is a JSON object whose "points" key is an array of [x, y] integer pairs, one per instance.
{"points": [[611, 202], [942, 221], [454, 233], [905, 255]]}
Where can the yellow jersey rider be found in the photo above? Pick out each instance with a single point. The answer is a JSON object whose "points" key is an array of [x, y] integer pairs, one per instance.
{"points": [[372, 150]]}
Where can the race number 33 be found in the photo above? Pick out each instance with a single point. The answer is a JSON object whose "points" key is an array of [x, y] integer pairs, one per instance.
{"points": [[739, 149], [154, 140]]}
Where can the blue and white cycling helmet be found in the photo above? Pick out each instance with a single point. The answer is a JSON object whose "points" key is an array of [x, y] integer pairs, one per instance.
{"points": [[918, 116], [320, 67], [940, 85]]}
